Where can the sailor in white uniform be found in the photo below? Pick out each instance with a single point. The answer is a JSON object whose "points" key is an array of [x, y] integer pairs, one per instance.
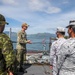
{"points": [[60, 32], [66, 56]]}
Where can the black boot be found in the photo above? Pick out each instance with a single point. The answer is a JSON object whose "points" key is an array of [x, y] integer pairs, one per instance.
{"points": [[21, 69], [25, 71]]}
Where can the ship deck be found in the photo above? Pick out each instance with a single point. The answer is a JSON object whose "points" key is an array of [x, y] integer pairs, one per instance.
{"points": [[36, 69]]}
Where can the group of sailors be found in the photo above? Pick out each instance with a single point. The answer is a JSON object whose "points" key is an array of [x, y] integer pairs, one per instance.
{"points": [[62, 51]]}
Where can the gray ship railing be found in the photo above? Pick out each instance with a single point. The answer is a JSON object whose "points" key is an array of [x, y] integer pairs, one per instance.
{"points": [[38, 56], [37, 62]]}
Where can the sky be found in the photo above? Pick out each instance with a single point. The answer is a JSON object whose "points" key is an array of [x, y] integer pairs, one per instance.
{"points": [[42, 16]]}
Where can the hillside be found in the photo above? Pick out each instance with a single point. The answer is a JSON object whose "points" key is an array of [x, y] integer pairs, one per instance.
{"points": [[37, 40], [37, 36]]}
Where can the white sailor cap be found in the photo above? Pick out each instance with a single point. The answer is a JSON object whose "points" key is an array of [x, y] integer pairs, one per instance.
{"points": [[71, 23], [60, 29]]}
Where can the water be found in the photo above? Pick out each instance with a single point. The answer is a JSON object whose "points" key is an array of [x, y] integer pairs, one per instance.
{"points": [[39, 42]]}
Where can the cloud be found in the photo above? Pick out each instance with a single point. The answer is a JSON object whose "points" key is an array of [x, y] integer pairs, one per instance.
{"points": [[54, 22], [48, 24], [26, 10], [52, 10], [9, 2], [13, 29], [41, 15], [43, 6], [65, 2]]}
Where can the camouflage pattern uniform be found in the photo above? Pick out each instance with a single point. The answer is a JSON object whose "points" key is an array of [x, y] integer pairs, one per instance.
{"points": [[7, 56], [21, 47], [53, 53], [66, 58]]}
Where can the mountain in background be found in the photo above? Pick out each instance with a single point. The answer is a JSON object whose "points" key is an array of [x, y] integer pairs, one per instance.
{"points": [[38, 40], [37, 36], [42, 35]]}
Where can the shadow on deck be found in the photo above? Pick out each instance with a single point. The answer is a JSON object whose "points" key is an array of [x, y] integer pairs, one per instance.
{"points": [[36, 69]]}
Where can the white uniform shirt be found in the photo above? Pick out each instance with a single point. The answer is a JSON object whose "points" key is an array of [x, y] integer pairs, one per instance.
{"points": [[66, 58], [54, 51]]}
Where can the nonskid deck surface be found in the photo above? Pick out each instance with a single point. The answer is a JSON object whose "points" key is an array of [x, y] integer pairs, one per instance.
{"points": [[36, 69]]}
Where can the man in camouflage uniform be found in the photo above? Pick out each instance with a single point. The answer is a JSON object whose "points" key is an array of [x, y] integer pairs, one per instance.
{"points": [[66, 56], [55, 49], [7, 56], [21, 46]]}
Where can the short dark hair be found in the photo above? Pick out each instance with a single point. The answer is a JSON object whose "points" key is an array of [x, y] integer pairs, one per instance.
{"points": [[71, 21], [73, 28], [63, 33]]}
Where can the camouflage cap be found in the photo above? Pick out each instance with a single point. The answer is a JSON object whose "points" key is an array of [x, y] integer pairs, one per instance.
{"points": [[2, 20], [25, 24]]}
